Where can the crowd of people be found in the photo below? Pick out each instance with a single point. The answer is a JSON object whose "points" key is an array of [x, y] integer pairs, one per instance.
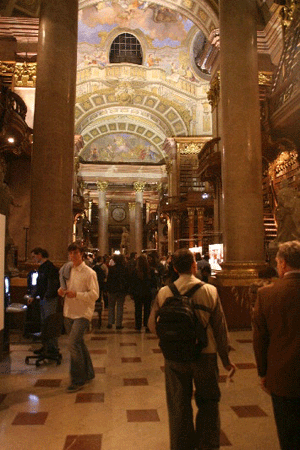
{"points": [[137, 276], [90, 279]]}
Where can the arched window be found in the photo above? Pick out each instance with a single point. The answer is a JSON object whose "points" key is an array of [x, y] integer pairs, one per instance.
{"points": [[126, 48]]}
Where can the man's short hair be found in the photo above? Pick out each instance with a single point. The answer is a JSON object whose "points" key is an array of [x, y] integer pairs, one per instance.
{"points": [[74, 247], [183, 260], [40, 251], [290, 253]]}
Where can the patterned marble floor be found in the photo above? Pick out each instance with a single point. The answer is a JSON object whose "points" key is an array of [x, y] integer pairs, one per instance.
{"points": [[124, 408]]}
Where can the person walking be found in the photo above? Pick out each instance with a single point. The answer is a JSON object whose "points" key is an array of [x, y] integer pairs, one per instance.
{"points": [[201, 371], [80, 296], [276, 342], [117, 288], [142, 281]]}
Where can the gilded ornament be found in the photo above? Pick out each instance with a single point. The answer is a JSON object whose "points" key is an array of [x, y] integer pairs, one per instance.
{"points": [[265, 78], [189, 148], [213, 95], [102, 185], [25, 74], [139, 186]]}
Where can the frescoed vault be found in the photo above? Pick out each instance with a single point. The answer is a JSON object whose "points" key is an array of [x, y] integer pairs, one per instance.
{"points": [[165, 96]]}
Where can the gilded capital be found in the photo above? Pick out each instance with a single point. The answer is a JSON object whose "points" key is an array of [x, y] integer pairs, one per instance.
{"points": [[191, 212], [139, 186], [200, 212], [102, 185], [131, 206]]}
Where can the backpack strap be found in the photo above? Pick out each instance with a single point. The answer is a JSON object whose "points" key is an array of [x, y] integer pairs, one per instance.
{"points": [[189, 294]]}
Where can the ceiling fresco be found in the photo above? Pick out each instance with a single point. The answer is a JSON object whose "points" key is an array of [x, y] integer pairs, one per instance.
{"points": [[121, 147], [166, 94]]}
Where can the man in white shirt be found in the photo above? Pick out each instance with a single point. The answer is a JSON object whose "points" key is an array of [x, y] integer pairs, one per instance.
{"points": [[79, 303]]}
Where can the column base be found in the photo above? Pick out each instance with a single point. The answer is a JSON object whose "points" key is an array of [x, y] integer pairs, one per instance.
{"points": [[239, 274], [233, 286]]}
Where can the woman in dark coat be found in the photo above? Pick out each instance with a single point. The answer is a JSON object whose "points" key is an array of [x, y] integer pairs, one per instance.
{"points": [[117, 288], [141, 286]]}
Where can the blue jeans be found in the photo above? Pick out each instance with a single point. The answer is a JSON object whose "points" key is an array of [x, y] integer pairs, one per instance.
{"points": [[81, 369]]}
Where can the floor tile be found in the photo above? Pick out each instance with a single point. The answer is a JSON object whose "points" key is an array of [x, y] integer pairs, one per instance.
{"points": [[48, 383], [224, 441], [128, 344], [135, 381], [89, 397], [131, 359], [83, 442], [142, 415], [98, 352], [245, 366], [222, 378], [27, 418], [99, 369], [98, 338], [248, 411]]}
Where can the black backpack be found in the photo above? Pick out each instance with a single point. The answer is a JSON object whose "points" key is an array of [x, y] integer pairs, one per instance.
{"points": [[182, 336]]}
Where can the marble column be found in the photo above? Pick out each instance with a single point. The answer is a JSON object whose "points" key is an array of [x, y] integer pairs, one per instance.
{"points": [[191, 220], [131, 207], [170, 234], [243, 233], [102, 218], [139, 189], [200, 222], [53, 148]]}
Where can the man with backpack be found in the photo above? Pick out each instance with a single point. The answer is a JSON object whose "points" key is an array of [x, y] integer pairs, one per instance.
{"points": [[192, 331]]}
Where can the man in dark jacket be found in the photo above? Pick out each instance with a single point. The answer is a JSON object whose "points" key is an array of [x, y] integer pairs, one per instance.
{"points": [[276, 340], [46, 290]]}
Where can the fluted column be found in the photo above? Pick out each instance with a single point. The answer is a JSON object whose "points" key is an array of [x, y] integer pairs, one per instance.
{"points": [[131, 207], [191, 218], [53, 149], [200, 221], [241, 153], [139, 189], [102, 218]]}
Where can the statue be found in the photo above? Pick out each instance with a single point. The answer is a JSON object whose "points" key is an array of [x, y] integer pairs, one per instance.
{"points": [[125, 241], [288, 214], [6, 200]]}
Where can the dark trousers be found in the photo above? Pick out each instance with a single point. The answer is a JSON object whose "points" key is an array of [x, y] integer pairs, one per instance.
{"points": [[205, 434], [140, 303], [287, 418]]}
